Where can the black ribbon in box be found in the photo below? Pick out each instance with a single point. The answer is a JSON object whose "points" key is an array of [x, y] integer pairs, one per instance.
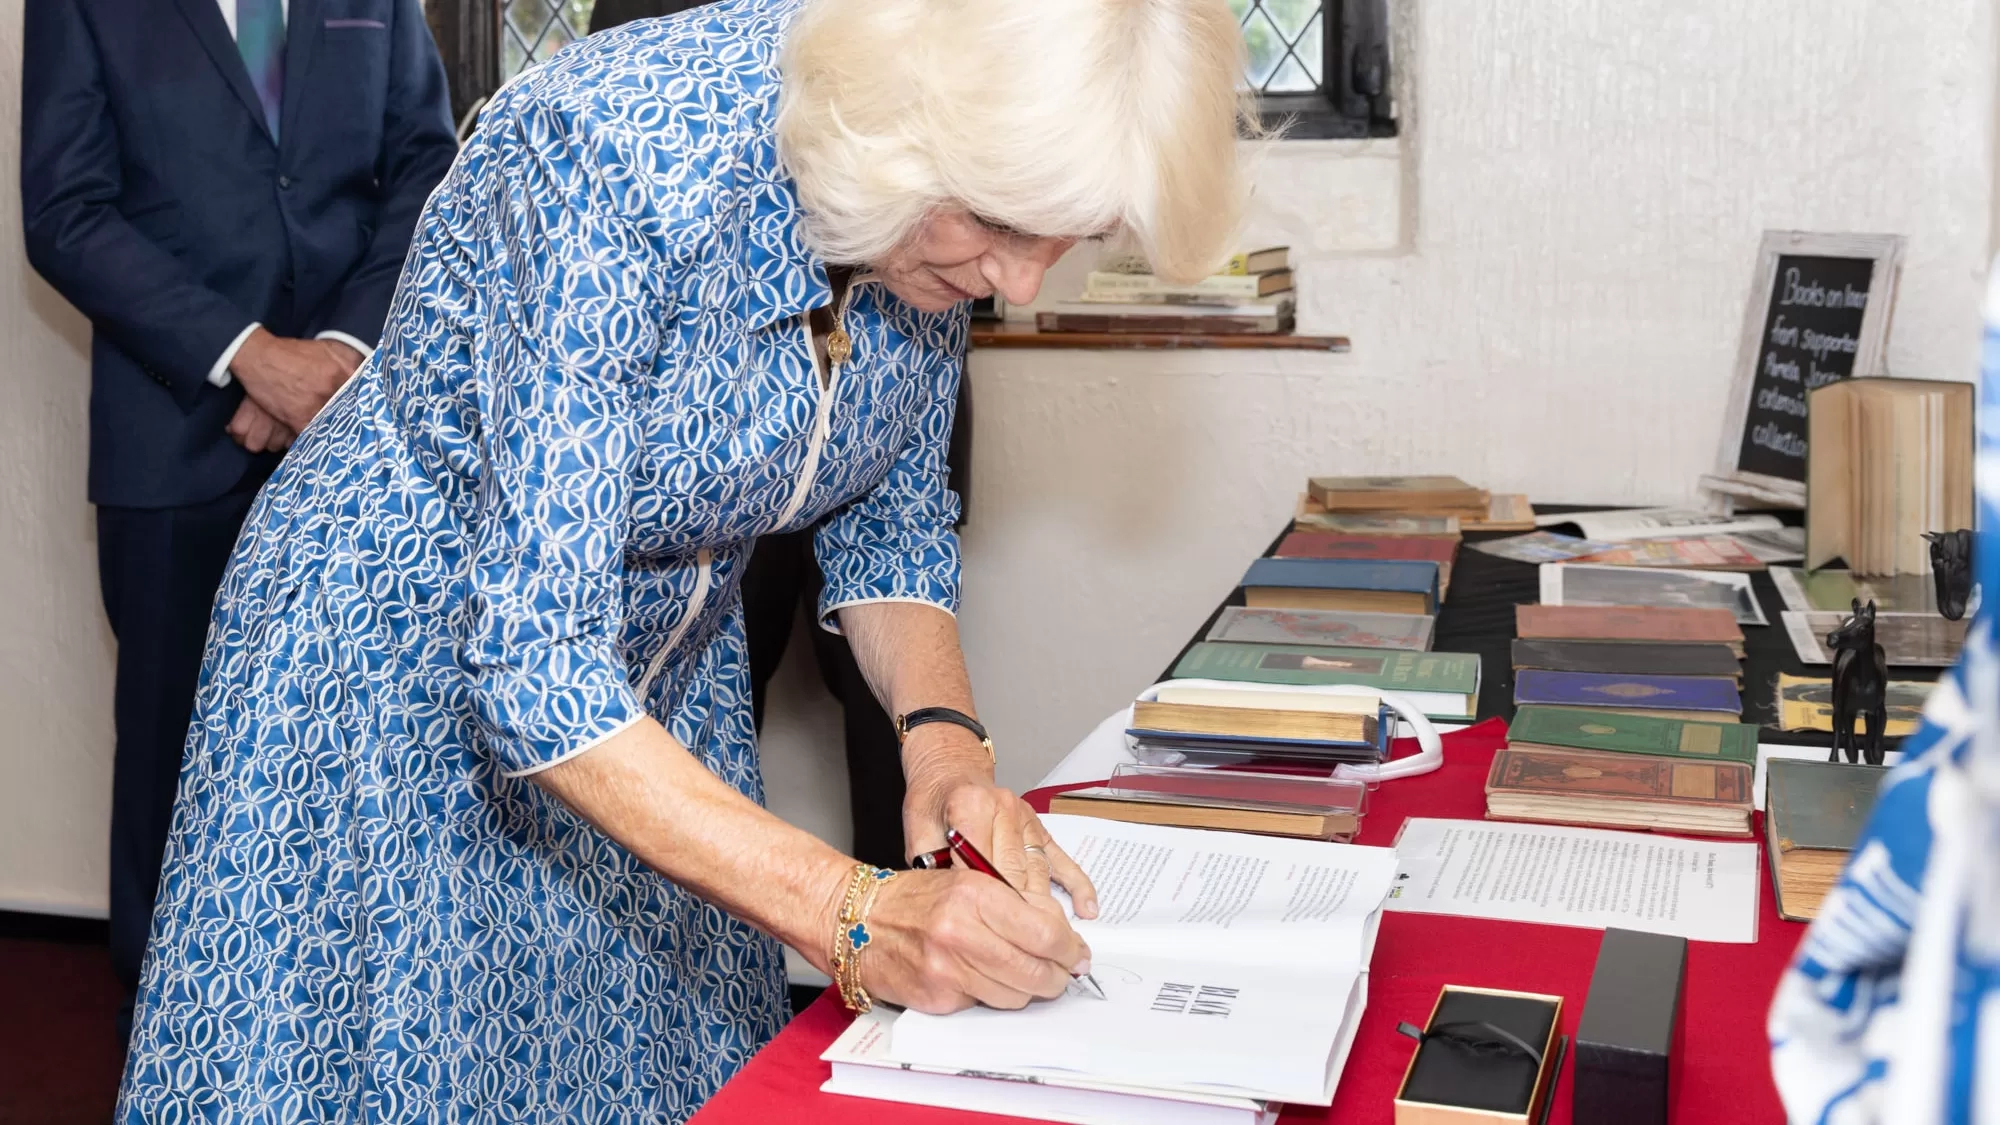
{"points": [[1485, 1056]]}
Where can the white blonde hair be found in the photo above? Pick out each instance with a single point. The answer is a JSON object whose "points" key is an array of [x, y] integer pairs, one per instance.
{"points": [[1060, 118]]}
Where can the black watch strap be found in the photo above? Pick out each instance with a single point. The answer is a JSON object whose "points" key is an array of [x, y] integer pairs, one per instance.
{"points": [[910, 720]]}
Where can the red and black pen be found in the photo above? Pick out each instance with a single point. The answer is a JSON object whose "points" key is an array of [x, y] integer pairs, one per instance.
{"points": [[956, 846]]}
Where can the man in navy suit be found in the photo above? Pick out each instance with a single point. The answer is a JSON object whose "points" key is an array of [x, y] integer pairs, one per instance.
{"points": [[227, 189]]}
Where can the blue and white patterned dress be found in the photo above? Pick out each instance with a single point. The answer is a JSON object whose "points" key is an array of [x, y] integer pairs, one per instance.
{"points": [[516, 531], [1890, 1014]]}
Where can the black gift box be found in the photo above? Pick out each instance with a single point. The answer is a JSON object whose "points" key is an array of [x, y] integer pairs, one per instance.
{"points": [[1629, 1036], [1451, 1083]]}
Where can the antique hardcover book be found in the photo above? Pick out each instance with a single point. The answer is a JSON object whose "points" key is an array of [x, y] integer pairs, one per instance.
{"points": [[1628, 658], [1505, 511], [1688, 696], [1538, 727], [1814, 812], [1114, 804], [1434, 494], [1627, 623], [1620, 791], [1323, 627], [1259, 261], [1252, 722], [1372, 586], [1102, 286], [1311, 515], [1335, 545], [1249, 317], [1443, 684], [1889, 459]]}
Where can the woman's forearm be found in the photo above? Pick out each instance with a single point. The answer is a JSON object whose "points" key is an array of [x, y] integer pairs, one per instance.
{"points": [[910, 655], [643, 789]]}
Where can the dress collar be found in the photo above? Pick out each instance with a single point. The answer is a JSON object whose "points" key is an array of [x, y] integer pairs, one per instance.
{"points": [[783, 277]]}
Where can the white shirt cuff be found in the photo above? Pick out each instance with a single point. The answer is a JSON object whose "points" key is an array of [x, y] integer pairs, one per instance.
{"points": [[219, 374], [344, 338]]}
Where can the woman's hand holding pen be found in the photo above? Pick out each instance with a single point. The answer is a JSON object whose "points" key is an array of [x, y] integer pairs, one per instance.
{"points": [[955, 789], [946, 940]]}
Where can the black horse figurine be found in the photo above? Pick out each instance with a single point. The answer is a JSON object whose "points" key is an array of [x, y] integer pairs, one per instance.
{"points": [[1860, 686], [1951, 568]]}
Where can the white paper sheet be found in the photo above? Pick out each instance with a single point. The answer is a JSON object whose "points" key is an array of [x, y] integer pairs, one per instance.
{"points": [[1697, 889], [1654, 523]]}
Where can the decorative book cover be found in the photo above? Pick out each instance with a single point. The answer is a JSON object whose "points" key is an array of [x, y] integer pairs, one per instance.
{"points": [[1562, 773], [1819, 805], [1334, 545], [1805, 703], [1402, 576], [1628, 658], [1661, 693], [1384, 669], [1626, 623], [1611, 732], [1409, 631]]}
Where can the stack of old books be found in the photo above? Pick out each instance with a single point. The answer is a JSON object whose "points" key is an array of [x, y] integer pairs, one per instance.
{"points": [[1608, 769], [1667, 663], [1436, 505], [1252, 295]]}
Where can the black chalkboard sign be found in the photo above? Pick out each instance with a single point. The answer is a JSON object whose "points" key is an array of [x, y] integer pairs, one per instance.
{"points": [[1811, 335], [1818, 314]]}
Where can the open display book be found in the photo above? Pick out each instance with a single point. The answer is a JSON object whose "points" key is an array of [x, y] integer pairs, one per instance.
{"points": [[1233, 967]]}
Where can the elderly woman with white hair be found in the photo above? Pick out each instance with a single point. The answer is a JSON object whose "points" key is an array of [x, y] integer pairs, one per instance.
{"points": [[469, 826]]}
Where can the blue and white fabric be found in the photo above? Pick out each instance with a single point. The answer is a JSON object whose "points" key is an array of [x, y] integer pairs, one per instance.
{"points": [[516, 531], [1890, 1012]]}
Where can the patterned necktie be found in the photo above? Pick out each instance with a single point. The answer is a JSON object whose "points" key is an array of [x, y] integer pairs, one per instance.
{"points": [[260, 38]]}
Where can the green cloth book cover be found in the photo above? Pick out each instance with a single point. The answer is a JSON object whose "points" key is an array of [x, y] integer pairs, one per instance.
{"points": [[1579, 729], [1384, 670]]}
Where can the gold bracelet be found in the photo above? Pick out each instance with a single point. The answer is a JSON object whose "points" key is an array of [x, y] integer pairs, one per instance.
{"points": [[851, 936]]}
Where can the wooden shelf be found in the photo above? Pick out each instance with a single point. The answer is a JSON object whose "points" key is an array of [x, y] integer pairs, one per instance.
{"points": [[1020, 335]]}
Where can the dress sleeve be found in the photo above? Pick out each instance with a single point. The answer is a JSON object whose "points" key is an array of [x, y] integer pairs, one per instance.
{"points": [[570, 323], [896, 542]]}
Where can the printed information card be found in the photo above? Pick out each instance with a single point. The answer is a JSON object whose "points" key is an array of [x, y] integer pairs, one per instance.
{"points": [[1702, 890]]}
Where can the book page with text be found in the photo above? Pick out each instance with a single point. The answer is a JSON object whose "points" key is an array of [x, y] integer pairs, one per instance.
{"points": [[1227, 897]]}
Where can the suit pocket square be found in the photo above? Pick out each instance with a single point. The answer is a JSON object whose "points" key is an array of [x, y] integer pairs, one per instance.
{"points": [[376, 24]]}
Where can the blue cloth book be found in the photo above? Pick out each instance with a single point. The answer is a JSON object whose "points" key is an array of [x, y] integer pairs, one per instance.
{"points": [[1711, 695], [1362, 585]]}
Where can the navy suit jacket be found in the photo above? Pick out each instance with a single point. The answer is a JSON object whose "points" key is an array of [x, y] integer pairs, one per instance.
{"points": [[156, 201]]}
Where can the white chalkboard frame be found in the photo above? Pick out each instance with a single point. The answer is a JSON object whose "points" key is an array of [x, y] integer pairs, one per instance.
{"points": [[1886, 252]]}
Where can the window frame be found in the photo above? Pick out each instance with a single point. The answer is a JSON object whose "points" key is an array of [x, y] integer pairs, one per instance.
{"points": [[1355, 99]]}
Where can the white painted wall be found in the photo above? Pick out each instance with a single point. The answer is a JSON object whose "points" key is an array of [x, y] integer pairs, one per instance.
{"points": [[1543, 279], [55, 649]]}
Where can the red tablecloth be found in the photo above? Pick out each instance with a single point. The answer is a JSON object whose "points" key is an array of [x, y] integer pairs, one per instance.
{"points": [[1725, 1075]]}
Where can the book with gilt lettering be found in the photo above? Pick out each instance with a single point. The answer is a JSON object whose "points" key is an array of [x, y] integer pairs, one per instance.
{"points": [[1620, 791], [1538, 727], [1444, 685], [1695, 697]]}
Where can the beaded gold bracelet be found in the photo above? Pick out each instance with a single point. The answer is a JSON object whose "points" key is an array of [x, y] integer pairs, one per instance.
{"points": [[851, 936]]}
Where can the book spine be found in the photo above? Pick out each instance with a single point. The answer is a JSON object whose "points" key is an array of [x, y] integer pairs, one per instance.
{"points": [[1163, 325], [1144, 287]]}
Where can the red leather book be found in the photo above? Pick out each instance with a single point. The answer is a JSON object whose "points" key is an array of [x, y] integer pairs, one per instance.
{"points": [[1335, 545]]}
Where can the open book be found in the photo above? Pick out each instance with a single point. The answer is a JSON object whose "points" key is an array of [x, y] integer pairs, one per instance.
{"points": [[1231, 964]]}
